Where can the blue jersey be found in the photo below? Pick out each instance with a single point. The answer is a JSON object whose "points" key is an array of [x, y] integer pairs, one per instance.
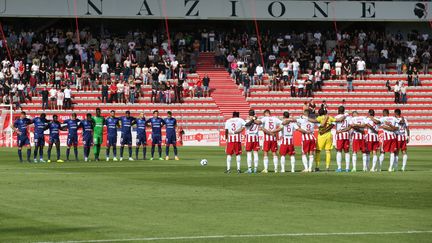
{"points": [[72, 127], [54, 130], [112, 124], [39, 126], [126, 125], [87, 127], [170, 125], [156, 125], [141, 127], [22, 125]]}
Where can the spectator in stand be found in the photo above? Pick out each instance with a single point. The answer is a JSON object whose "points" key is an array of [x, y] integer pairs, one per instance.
{"points": [[312, 108], [120, 91], [57, 78], [403, 91], [33, 84], [113, 92], [60, 99], [396, 90], [104, 70], [382, 64], [350, 79], [338, 68], [426, 56], [326, 70], [246, 85], [20, 89], [296, 69], [399, 63], [126, 90], [324, 106], [416, 79], [206, 85], [300, 87], [44, 94], [67, 98], [105, 90], [53, 97], [251, 72], [198, 89], [16, 102], [361, 68], [388, 85], [259, 73]]}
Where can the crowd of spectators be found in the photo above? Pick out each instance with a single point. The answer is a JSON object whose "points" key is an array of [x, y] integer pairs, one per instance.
{"points": [[49, 63]]}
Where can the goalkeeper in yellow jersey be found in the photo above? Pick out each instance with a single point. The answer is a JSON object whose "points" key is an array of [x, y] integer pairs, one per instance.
{"points": [[325, 138]]}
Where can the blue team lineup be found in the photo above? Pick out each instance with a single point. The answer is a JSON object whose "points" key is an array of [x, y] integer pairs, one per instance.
{"points": [[92, 130]]}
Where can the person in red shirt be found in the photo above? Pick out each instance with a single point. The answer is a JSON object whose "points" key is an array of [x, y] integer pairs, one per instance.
{"points": [[198, 88], [33, 82], [113, 92]]}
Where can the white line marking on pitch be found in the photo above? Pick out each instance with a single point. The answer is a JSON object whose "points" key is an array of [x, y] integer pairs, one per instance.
{"points": [[241, 236]]}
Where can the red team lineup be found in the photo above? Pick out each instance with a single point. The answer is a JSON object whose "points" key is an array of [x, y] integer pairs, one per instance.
{"points": [[345, 132]]}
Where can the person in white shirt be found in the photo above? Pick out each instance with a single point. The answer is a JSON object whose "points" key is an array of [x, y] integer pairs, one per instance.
{"points": [[104, 70], [300, 86], [259, 70], [233, 129], [296, 66], [372, 140], [308, 141], [288, 127], [397, 89], [357, 123], [68, 98], [270, 123], [338, 68], [252, 141], [120, 92], [361, 68], [60, 98], [389, 124], [402, 139], [53, 97], [342, 140]]}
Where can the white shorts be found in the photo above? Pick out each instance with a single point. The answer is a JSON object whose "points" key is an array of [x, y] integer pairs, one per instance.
{"points": [[60, 102], [338, 71]]}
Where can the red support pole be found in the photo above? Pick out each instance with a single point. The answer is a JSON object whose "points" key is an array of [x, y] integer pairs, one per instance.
{"points": [[253, 5], [5, 42]]}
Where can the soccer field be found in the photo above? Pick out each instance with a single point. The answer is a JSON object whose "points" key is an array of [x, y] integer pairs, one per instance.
{"points": [[181, 201]]}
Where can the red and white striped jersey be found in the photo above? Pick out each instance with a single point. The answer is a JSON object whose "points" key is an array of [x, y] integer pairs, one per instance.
{"points": [[401, 133], [359, 133], [342, 125], [270, 123], [371, 135], [288, 133], [252, 132], [232, 125], [388, 135], [306, 125]]}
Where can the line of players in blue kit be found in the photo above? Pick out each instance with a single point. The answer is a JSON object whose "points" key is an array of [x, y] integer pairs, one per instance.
{"points": [[92, 136]]}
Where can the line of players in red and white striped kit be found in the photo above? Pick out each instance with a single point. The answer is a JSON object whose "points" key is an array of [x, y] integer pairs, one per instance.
{"points": [[352, 130]]}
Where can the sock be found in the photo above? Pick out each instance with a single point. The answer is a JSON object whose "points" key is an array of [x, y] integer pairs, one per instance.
{"points": [[228, 162], [85, 151], [374, 161], [256, 159], [328, 158], [121, 151], [95, 152], [58, 152], [367, 160], [76, 152], [175, 150], [392, 160], [115, 151], [160, 150], [144, 151], [265, 159], [396, 159], [404, 161], [282, 163], [130, 152], [292, 157], [167, 150], [354, 161], [20, 154], [49, 153], [318, 158], [275, 163], [28, 154], [249, 159], [107, 153], [35, 152], [41, 153], [311, 160], [347, 161], [305, 162], [136, 151], [152, 151], [365, 166], [381, 160], [67, 153], [339, 160], [238, 160]]}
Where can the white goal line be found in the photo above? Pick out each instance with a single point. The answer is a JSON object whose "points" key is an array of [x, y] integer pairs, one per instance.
{"points": [[203, 237]]}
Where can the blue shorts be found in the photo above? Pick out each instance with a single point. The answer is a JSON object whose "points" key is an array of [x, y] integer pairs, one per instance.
{"points": [[23, 141], [54, 140], [141, 140], [39, 140], [87, 142], [156, 139], [126, 140], [112, 141], [171, 139], [72, 141]]}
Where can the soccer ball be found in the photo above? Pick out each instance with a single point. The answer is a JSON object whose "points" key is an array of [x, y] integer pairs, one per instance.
{"points": [[203, 162]]}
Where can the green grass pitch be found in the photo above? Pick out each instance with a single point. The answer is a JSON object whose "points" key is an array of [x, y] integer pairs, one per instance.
{"points": [[167, 200]]}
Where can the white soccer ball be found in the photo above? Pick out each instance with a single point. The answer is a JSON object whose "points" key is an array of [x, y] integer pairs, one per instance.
{"points": [[203, 162]]}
